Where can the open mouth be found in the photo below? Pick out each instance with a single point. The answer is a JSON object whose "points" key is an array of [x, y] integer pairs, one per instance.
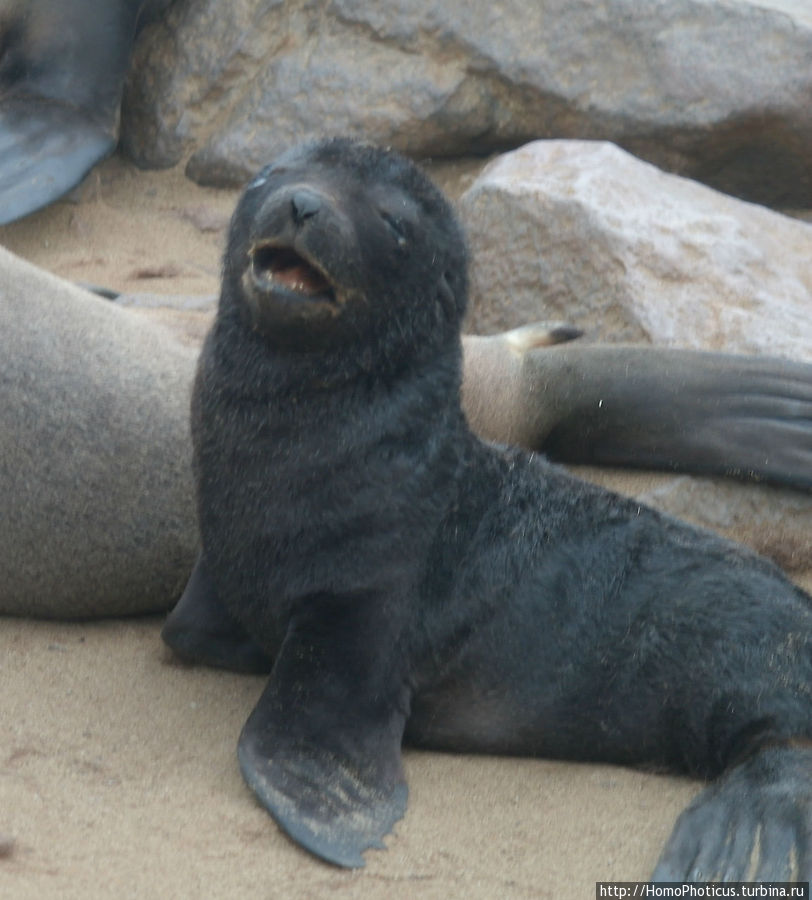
{"points": [[282, 267]]}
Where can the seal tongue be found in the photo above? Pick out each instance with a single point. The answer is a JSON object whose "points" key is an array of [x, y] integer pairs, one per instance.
{"points": [[285, 267], [302, 278]]}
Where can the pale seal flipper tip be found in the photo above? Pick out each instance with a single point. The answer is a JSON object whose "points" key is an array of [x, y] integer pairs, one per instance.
{"points": [[540, 334], [753, 824]]}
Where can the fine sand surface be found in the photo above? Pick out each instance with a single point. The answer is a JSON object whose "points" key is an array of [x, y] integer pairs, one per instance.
{"points": [[118, 770], [118, 778]]}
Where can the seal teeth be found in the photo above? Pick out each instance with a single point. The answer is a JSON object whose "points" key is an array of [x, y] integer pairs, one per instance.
{"points": [[284, 267]]}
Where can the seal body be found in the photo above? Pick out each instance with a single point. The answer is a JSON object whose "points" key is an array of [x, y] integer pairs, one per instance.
{"points": [[95, 459], [405, 579]]}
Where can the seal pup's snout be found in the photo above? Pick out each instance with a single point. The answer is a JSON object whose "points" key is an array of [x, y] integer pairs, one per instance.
{"points": [[293, 287], [280, 256], [304, 204], [291, 211]]}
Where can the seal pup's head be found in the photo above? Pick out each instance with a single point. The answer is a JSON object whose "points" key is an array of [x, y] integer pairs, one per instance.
{"points": [[340, 245]]}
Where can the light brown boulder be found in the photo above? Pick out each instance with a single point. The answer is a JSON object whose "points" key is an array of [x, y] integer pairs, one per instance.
{"points": [[717, 91], [585, 232]]}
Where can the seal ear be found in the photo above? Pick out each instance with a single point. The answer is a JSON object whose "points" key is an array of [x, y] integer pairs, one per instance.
{"points": [[321, 750]]}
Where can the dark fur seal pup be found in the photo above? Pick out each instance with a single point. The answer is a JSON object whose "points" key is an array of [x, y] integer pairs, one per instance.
{"points": [[411, 582], [62, 68]]}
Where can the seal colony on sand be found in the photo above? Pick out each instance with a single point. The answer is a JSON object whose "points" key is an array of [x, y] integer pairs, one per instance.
{"points": [[411, 582]]}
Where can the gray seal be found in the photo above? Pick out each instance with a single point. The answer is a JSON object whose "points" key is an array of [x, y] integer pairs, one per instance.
{"points": [[95, 459]]}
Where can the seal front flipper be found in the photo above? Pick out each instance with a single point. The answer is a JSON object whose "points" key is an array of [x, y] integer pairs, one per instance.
{"points": [[753, 824], [62, 69], [46, 150], [201, 629], [321, 750]]}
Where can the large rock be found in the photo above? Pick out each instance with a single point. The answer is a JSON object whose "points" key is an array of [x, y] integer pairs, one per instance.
{"points": [[587, 233], [718, 91]]}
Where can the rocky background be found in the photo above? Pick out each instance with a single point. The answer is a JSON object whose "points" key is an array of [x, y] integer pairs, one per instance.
{"points": [[718, 91]]}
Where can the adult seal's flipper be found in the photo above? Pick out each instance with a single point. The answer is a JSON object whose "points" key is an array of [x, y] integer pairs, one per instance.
{"points": [[62, 69], [645, 407], [200, 629], [45, 150], [321, 750], [753, 824]]}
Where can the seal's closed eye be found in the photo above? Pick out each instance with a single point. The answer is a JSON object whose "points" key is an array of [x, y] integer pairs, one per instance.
{"points": [[395, 225]]}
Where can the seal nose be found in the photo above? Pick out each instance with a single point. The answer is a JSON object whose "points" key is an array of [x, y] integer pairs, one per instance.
{"points": [[304, 204]]}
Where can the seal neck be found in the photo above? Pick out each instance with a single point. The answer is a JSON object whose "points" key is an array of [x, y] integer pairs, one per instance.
{"points": [[260, 372]]}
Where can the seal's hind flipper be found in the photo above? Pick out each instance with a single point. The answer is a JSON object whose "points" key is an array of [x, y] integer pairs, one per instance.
{"points": [[753, 824], [200, 629], [540, 334], [321, 750], [704, 413], [46, 148]]}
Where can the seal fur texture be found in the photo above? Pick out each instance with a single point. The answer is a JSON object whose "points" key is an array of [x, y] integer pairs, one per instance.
{"points": [[95, 461], [409, 581]]}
